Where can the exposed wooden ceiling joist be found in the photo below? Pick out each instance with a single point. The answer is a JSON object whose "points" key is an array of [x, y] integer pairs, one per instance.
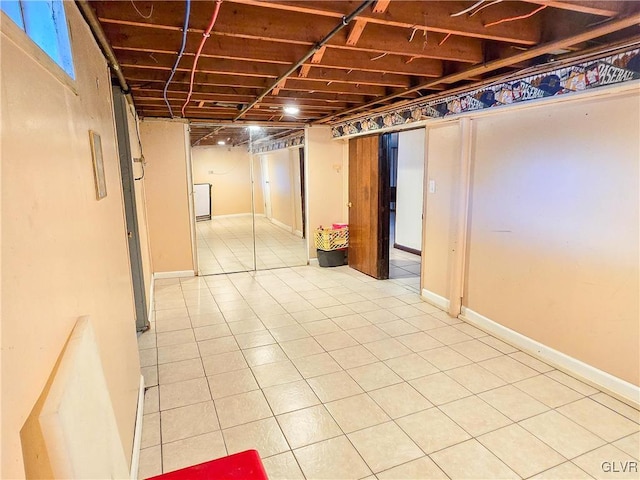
{"points": [[610, 8], [232, 101], [612, 26], [375, 39], [355, 32], [431, 16], [225, 56], [329, 82], [236, 71], [222, 94], [380, 6], [392, 51]]}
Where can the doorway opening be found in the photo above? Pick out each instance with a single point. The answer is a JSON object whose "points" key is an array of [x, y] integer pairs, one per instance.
{"points": [[255, 202], [404, 154]]}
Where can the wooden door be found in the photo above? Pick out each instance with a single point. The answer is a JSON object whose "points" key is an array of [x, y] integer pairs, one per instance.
{"points": [[368, 213]]}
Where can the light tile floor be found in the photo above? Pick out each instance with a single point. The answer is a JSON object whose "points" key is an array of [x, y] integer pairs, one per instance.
{"points": [[331, 374], [404, 268], [225, 245]]}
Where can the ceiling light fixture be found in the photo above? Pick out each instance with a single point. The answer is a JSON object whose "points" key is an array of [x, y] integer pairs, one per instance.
{"points": [[221, 142], [291, 110]]}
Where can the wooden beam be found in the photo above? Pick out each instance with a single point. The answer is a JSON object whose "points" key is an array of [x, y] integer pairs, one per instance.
{"points": [[211, 106], [141, 75], [320, 74], [243, 123], [348, 65], [220, 112], [317, 57], [152, 40], [356, 31], [279, 87], [433, 16], [221, 92], [599, 31], [365, 61], [312, 85], [239, 95], [380, 6], [136, 74], [604, 9], [196, 114], [238, 70], [304, 70], [145, 98], [360, 77], [394, 40], [165, 61], [381, 39]]}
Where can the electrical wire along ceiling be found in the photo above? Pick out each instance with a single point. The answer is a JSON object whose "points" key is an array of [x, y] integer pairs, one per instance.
{"points": [[233, 62]]}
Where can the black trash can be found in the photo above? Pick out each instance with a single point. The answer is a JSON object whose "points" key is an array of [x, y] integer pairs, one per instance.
{"points": [[332, 258]]}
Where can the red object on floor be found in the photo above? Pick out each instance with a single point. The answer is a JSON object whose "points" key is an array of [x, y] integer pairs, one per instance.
{"points": [[242, 466]]}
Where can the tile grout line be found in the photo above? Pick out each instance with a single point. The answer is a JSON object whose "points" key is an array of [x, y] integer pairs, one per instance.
{"points": [[251, 306]]}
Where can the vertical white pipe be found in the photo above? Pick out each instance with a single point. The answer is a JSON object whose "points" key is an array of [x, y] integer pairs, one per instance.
{"points": [[425, 195], [459, 247], [192, 211]]}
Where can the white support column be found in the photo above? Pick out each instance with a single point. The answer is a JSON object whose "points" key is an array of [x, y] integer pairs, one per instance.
{"points": [[456, 286]]}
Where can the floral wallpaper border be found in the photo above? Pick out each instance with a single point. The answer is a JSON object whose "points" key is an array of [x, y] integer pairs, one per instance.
{"points": [[268, 146], [608, 70]]}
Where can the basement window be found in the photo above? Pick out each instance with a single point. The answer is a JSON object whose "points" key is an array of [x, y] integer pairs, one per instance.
{"points": [[45, 23]]}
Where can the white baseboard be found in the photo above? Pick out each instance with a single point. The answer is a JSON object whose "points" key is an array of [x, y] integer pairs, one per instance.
{"points": [[622, 389], [137, 434], [231, 215], [298, 233], [314, 261], [278, 223], [435, 300], [176, 274]]}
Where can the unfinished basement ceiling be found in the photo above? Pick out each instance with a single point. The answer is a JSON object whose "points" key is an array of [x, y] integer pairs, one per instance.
{"points": [[388, 52]]}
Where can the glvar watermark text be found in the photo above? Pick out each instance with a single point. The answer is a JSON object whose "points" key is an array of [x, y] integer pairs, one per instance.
{"points": [[619, 466]]}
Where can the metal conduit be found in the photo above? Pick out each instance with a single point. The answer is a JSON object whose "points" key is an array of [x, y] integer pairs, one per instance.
{"points": [[185, 29], [91, 18], [344, 22]]}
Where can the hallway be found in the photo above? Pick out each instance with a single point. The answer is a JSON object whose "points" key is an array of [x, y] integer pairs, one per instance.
{"points": [[225, 245], [331, 374]]}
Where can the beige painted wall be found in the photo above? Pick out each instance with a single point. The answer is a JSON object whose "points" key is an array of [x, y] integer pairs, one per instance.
{"points": [[326, 168], [64, 253], [554, 228], [281, 189], [141, 204], [163, 142], [443, 160], [258, 193], [228, 170], [284, 181]]}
